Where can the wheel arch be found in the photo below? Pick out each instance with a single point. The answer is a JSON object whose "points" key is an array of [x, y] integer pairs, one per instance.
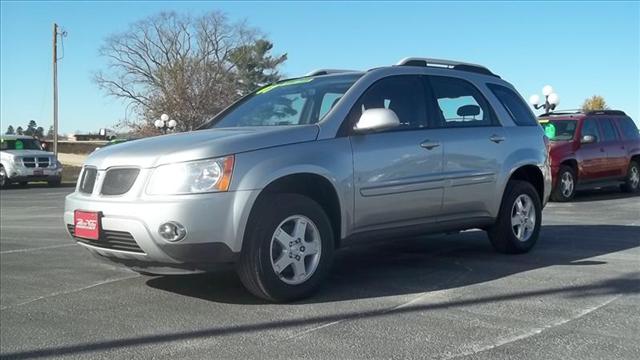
{"points": [[531, 174], [317, 187]]}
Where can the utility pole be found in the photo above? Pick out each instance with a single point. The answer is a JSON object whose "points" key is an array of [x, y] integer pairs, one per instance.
{"points": [[55, 90]]}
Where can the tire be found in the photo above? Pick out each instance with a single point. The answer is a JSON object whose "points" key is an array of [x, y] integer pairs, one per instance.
{"points": [[54, 183], [632, 181], [263, 251], [502, 234], [4, 181], [565, 187]]}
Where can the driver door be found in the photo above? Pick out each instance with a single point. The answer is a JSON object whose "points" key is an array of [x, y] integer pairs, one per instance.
{"points": [[397, 173]]}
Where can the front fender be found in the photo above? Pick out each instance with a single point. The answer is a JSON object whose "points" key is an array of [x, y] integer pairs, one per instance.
{"points": [[331, 159]]}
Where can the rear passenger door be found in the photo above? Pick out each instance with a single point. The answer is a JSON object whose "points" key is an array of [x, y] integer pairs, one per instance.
{"points": [[616, 165], [473, 142], [592, 158]]}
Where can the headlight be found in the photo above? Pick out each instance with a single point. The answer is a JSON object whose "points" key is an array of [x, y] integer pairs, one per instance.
{"points": [[200, 176]]}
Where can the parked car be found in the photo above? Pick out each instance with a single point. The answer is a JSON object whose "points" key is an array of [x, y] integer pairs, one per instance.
{"points": [[285, 176], [22, 159], [592, 149]]}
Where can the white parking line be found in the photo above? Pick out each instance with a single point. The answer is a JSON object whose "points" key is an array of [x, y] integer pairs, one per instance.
{"points": [[35, 249], [532, 332], [108, 281]]}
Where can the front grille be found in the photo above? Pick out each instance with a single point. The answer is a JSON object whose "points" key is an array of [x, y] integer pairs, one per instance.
{"points": [[88, 180], [110, 239], [43, 162], [29, 162], [32, 162], [118, 181]]}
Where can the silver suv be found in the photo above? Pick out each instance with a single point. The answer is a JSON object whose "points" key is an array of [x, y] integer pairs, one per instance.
{"points": [[288, 174], [22, 159]]}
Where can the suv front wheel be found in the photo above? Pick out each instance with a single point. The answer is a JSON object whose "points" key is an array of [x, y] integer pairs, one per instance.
{"points": [[288, 248], [518, 225]]}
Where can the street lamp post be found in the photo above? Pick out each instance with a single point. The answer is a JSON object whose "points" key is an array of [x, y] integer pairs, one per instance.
{"points": [[551, 100], [165, 124]]}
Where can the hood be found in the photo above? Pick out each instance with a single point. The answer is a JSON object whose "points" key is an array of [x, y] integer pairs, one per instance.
{"points": [[201, 144], [28, 152]]}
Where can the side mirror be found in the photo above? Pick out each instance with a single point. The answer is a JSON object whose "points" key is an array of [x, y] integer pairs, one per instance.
{"points": [[376, 120], [588, 139]]}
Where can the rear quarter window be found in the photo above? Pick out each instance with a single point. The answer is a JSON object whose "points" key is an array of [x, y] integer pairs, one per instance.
{"points": [[514, 105], [629, 129]]}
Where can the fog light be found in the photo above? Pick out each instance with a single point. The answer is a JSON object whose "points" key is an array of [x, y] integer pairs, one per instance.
{"points": [[172, 231]]}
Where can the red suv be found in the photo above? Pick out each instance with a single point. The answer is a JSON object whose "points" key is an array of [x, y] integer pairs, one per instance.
{"points": [[592, 149]]}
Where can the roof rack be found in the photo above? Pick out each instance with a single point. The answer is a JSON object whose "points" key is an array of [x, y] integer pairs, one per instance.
{"points": [[327, 72], [446, 64], [563, 112], [606, 112], [581, 112]]}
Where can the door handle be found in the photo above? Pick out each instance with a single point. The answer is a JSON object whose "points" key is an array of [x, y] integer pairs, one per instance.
{"points": [[497, 139], [427, 144]]}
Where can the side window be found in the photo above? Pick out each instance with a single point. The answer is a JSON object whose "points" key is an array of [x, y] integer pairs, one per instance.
{"points": [[590, 127], [628, 128], [328, 101], [404, 94], [460, 103], [608, 131], [515, 106]]}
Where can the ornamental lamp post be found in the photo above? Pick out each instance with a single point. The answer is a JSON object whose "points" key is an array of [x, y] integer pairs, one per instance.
{"points": [[551, 100], [165, 124]]}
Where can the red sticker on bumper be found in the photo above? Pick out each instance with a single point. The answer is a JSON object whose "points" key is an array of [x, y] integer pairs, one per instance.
{"points": [[87, 224]]}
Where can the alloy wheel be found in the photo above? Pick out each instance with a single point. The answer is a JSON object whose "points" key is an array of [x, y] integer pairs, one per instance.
{"points": [[566, 184], [634, 177], [296, 248], [523, 217], [3, 177]]}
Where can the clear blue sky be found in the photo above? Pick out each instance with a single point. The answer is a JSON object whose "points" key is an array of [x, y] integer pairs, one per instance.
{"points": [[581, 48]]}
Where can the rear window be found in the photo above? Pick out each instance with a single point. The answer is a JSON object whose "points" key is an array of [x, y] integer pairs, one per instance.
{"points": [[515, 106]]}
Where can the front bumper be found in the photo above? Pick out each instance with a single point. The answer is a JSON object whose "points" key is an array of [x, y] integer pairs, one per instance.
{"points": [[214, 222], [20, 174]]}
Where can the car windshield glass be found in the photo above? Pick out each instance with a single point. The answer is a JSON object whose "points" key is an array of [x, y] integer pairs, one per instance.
{"points": [[559, 130], [291, 102], [20, 144]]}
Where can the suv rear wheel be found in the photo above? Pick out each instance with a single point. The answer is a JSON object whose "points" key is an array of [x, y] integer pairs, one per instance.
{"points": [[518, 225], [288, 248], [565, 186], [632, 182]]}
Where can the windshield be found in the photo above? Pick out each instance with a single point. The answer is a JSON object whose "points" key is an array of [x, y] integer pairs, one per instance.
{"points": [[559, 130], [291, 102], [20, 144]]}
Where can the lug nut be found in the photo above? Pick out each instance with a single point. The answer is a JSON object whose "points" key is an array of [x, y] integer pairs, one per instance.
{"points": [[302, 248], [298, 257]]}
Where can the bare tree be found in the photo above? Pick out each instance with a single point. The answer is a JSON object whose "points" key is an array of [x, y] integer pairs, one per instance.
{"points": [[187, 67]]}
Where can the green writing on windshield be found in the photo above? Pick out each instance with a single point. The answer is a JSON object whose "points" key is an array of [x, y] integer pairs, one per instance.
{"points": [[19, 145], [284, 83], [549, 130]]}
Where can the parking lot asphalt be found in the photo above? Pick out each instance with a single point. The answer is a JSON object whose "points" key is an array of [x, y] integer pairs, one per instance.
{"points": [[576, 295]]}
